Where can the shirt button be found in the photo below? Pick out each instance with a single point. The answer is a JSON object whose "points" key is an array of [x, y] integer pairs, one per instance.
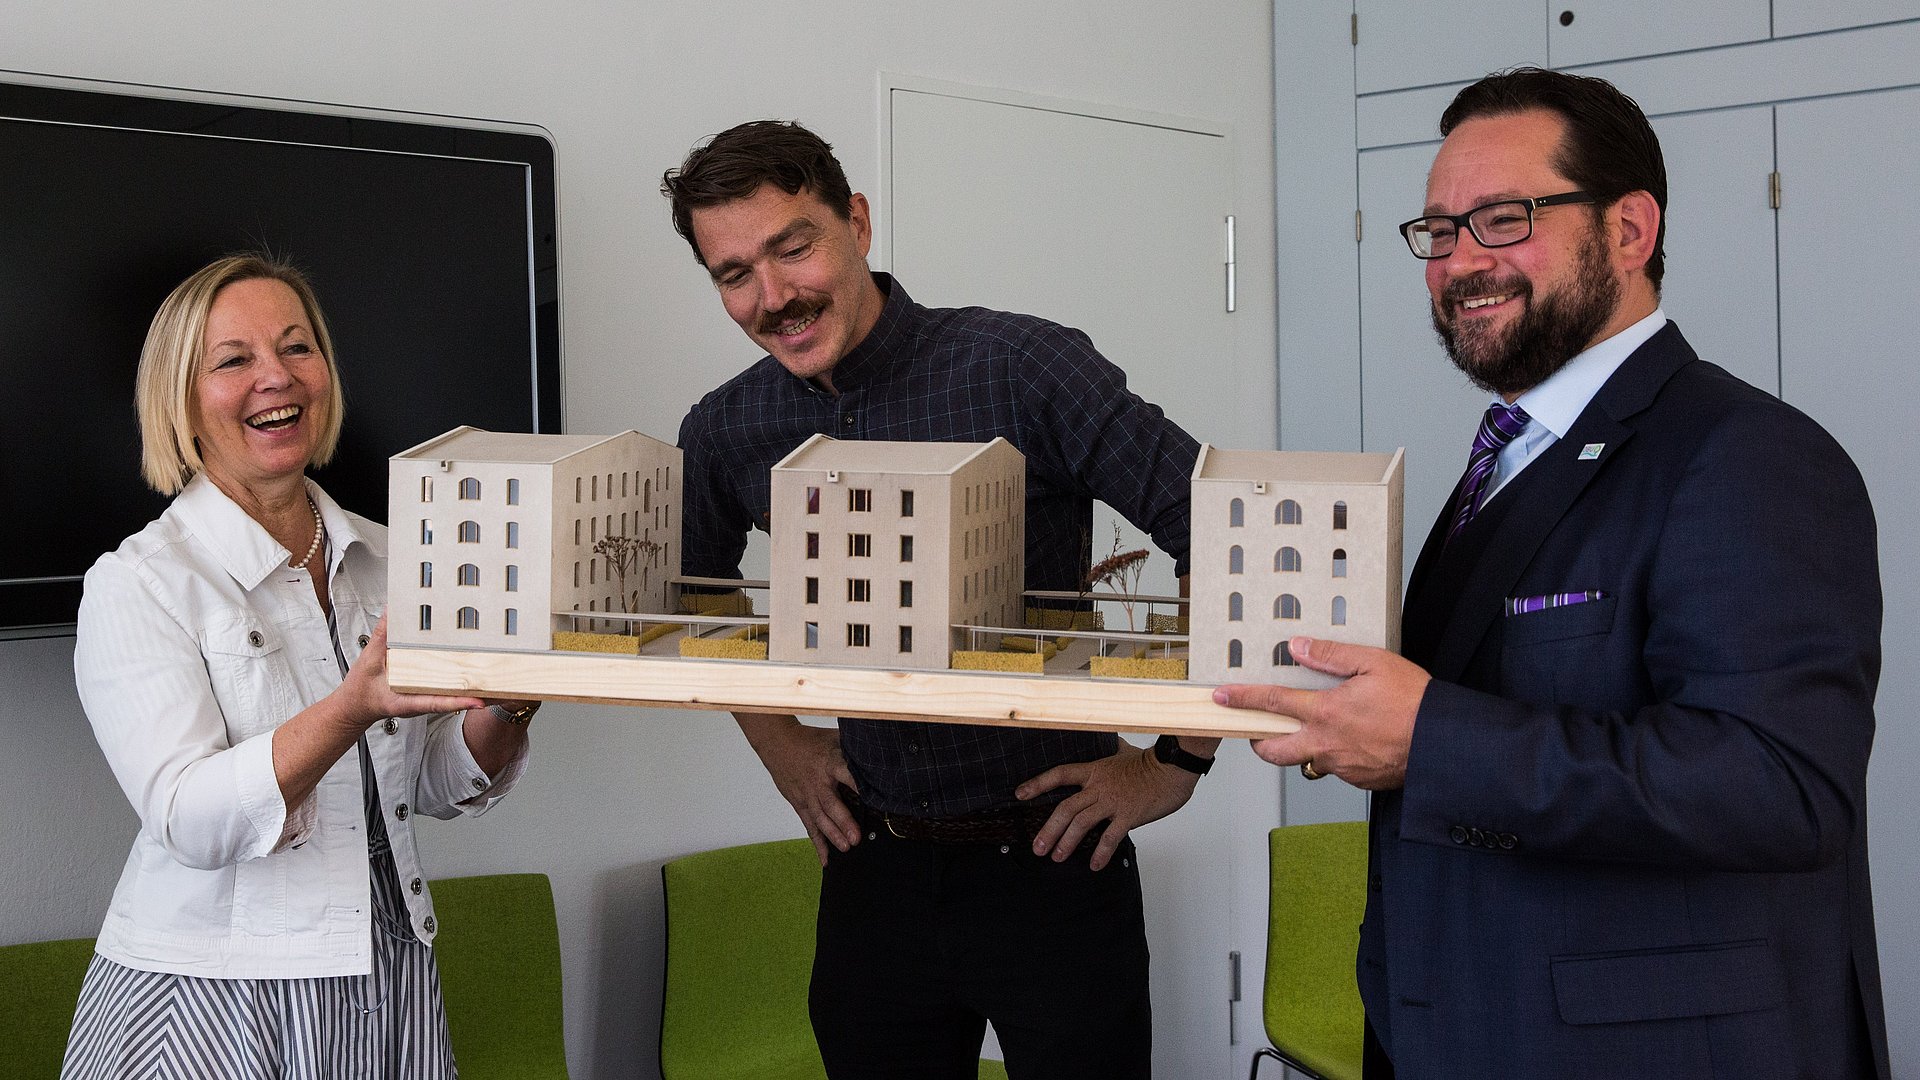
{"points": [[847, 421], [415, 886], [429, 924], [913, 748], [363, 640], [400, 812], [923, 804], [390, 725], [479, 783], [254, 639]]}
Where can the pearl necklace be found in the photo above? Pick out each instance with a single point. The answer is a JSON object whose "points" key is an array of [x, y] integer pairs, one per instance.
{"points": [[319, 531]]}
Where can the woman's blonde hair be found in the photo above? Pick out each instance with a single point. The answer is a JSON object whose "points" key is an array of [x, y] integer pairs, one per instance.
{"points": [[169, 361]]}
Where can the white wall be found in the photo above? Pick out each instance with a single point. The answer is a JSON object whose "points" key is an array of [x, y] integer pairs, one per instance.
{"points": [[625, 89]]}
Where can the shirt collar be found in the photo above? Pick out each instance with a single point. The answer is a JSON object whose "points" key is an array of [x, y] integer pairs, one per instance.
{"points": [[886, 342], [241, 545], [1556, 403]]}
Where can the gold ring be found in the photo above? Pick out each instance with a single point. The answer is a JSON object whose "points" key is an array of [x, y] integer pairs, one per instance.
{"points": [[1307, 770]]}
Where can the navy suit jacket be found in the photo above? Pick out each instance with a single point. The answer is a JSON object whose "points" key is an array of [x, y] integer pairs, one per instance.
{"points": [[1632, 841]]}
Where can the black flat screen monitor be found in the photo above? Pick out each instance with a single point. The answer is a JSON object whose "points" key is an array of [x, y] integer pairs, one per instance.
{"points": [[431, 247]]}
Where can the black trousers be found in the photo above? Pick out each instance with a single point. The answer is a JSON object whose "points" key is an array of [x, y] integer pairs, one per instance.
{"points": [[921, 944]]}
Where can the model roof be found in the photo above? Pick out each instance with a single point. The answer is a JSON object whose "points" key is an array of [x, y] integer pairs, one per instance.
{"points": [[873, 455], [1295, 466], [474, 444]]}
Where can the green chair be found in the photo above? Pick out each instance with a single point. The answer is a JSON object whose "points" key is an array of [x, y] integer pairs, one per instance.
{"points": [[740, 928], [1318, 895], [499, 955], [42, 981]]}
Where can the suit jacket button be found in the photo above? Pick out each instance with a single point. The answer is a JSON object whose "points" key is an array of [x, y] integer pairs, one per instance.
{"points": [[1476, 838], [1508, 841], [1458, 834], [1373, 882]]}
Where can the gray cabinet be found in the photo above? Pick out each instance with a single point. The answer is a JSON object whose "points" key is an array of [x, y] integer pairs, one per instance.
{"points": [[1417, 42], [1812, 16], [1591, 31]]}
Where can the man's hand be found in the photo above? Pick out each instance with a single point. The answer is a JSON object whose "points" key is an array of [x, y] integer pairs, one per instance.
{"points": [[1360, 731], [808, 768], [1125, 790]]}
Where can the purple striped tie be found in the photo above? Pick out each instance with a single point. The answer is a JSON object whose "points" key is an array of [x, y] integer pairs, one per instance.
{"points": [[1497, 429]]}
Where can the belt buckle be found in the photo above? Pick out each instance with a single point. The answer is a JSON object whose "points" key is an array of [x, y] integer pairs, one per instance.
{"points": [[887, 820]]}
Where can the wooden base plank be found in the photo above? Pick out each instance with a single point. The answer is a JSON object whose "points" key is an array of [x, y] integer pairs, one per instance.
{"points": [[1124, 705]]}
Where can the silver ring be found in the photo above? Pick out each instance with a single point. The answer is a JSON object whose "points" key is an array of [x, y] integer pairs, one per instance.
{"points": [[1307, 770]]}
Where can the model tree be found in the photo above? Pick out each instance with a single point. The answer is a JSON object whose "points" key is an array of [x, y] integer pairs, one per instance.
{"points": [[623, 555], [1120, 572]]}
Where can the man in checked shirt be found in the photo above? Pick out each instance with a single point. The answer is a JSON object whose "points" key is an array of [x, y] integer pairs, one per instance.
{"points": [[973, 874]]}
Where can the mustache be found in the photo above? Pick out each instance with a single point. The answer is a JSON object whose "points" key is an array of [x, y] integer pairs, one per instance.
{"points": [[1484, 283], [796, 310]]}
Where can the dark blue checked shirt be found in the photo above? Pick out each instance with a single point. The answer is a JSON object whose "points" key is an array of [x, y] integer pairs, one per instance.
{"points": [[949, 375]]}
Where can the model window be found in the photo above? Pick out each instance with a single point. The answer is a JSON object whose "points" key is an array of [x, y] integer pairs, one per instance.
{"points": [[513, 492], [513, 579], [860, 545], [906, 504], [426, 616], [906, 639], [1236, 513], [576, 574], [857, 635], [579, 485], [469, 532], [906, 549], [469, 618], [470, 487], [593, 571], [513, 621], [813, 590], [1233, 653], [1282, 655], [426, 489], [469, 574], [594, 491], [646, 496], [1287, 561], [1233, 607], [859, 590], [426, 575], [1287, 607], [860, 500], [1287, 513], [906, 594], [813, 500], [426, 532], [1339, 611], [513, 534], [624, 477], [1340, 515], [1236, 560], [813, 635], [1339, 562], [813, 545]]}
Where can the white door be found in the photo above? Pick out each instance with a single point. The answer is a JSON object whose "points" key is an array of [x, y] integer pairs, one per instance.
{"points": [[1117, 227]]}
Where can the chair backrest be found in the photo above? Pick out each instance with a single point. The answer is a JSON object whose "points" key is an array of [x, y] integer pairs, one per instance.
{"points": [[1319, 893], [42, 982], [740, 928], [498, 950]]}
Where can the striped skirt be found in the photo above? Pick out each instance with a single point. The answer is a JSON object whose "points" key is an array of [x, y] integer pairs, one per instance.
{"points": [[388, 1025]]}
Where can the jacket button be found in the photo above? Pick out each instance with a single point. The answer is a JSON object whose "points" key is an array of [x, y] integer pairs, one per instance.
{"points": [[415, 886], [363, 640], [1457, 834], [428, 925], [400, 812], [255, 639], [1373, 882], [1508, 841], [390, 725], [1476, 838]]}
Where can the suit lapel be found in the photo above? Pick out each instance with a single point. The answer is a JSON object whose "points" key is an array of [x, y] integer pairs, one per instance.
{"points": [[1553, 481]]}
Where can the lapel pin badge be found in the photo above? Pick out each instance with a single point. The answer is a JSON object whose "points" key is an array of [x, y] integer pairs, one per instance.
{"points": [[1591, 451]]}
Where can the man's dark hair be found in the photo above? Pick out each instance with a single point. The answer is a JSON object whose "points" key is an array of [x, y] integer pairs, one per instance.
{"points": [[733, 164], [1608, 150]]}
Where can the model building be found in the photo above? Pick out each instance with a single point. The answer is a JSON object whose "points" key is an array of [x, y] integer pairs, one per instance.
{"points": [[880, 548], [492, 533], [1289, 543]]}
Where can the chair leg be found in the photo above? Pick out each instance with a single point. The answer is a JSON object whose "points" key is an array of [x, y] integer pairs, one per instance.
{"points": [[1263, 1052]]}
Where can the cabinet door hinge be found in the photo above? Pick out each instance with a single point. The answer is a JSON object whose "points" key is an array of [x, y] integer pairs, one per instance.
{"points": [[1233, 996], [1232, 266], [1353, 28], [1356, 227], [1773, 190]]}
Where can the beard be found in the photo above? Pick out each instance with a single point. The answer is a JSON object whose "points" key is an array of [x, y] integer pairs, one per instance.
{"points": [[1552, 330]]}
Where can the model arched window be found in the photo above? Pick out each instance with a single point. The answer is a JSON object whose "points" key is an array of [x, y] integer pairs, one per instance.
{"points": [[513, 579], [426, 577], [1339, 611], [1287, 513], [1339, 562], [1287, 560], [1236, 560], [1282, 655], [469, 618], [1233, 653], [426, 532], [513, 621], [469, 574], [646, 496], [426, 616], [1287, 607], [1233, 607], [470, 487], [469, 532], [1340, 515], [513, 492], [513, 534], [1236, 513]]}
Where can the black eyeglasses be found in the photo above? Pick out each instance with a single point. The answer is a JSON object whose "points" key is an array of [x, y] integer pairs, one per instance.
{"points": [[1495, 224]]}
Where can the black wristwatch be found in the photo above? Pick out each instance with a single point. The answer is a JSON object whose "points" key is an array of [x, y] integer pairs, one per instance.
{"points": [[1167, 750]]}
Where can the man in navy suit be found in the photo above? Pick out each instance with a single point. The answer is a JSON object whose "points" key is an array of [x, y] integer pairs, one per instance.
{"points": [[1619, 822]]}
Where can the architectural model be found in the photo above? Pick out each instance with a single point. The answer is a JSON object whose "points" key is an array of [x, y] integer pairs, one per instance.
{"points": [[492, 533], [881, 548], [1288, 544]]}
